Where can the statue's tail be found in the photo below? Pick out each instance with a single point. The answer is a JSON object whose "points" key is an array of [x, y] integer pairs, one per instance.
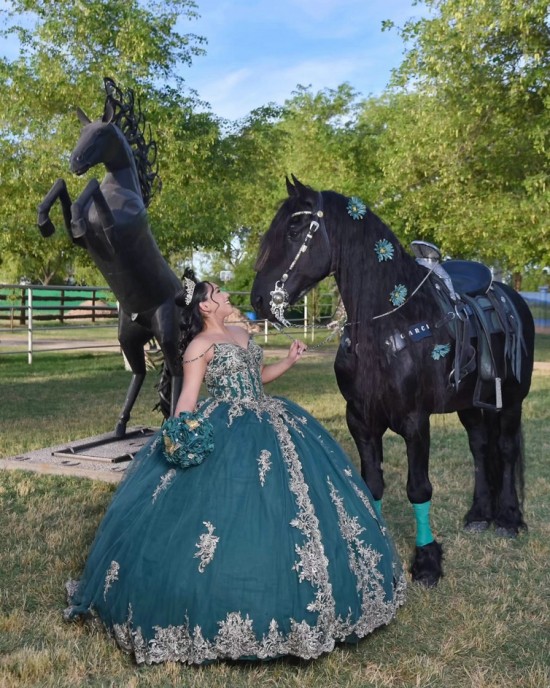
{"points": [[164, 389], [154, 360]]}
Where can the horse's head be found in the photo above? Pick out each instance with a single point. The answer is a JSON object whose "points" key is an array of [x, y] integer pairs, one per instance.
{"points": [[100, 142], [294, 254]]}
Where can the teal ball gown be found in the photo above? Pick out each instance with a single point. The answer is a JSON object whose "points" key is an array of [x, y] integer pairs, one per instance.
{"points": [[270, 547]]}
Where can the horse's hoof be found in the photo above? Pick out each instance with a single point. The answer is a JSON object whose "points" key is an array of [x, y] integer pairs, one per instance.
{"points": [[476, 526], [46, 228], [427, 568], [120, 429], [509, 533]]}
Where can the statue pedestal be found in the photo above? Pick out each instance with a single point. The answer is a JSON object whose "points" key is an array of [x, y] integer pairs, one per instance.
{"points": [[103, 457]]}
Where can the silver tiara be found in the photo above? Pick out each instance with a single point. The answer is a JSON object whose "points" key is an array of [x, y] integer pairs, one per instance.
{"points": [[189, 288]]}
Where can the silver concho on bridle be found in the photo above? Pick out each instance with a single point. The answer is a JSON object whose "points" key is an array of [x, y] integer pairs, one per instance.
{"points": [[279, 296]]}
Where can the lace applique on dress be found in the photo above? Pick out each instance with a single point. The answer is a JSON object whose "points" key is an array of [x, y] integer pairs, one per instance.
{"points": [[264, 464], [364, 562], [207, 546], [110, 577], [164, 483]]}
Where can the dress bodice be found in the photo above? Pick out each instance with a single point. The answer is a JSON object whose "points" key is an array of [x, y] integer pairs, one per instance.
{"points": [[234, 373]]}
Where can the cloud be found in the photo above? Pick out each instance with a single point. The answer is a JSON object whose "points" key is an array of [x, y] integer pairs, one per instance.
{"points": [[260, 50], [235, 93]]}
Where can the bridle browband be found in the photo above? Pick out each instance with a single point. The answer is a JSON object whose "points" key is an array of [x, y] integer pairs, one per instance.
{"points": [[279, 296]]}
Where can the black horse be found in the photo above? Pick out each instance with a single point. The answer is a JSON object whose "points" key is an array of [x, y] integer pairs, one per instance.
{"points": [[110, 221], [416, 343]]}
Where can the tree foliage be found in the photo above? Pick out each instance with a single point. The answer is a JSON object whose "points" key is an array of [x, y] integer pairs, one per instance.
{"points": [[455, 151], [64, 51], [465, 158]]}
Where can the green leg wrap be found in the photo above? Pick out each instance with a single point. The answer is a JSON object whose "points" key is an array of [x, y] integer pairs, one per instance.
{"points": [[423, 531], [377, 503]]}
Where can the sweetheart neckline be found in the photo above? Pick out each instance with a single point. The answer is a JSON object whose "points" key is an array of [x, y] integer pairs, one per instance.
{"points": [[234, 344]]}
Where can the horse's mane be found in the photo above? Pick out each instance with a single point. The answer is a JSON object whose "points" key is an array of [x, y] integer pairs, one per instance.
{"points": [[129, 118], [370, 282]]}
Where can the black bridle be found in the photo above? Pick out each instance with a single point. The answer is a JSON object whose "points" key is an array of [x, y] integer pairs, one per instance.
{"points": [[279, 296]]}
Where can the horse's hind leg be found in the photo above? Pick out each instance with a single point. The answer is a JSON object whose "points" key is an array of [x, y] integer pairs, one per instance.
{"points": [[509, 473], [132, 338], [165, 325], [496, 445], [480, 437]]}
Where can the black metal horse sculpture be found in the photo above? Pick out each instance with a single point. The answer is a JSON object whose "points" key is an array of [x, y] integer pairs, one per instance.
{"points": [[422, 337], [110, 221]]}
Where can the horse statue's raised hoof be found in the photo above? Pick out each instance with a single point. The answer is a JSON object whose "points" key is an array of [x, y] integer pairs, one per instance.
{"points": [[47, 228], [476, 526], [427, 565]]}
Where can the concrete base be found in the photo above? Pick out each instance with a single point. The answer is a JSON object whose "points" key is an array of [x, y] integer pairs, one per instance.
{"points": [[103, 457]]}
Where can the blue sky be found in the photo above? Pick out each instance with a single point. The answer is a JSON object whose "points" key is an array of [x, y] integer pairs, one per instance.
{"points": [[259, 50]]}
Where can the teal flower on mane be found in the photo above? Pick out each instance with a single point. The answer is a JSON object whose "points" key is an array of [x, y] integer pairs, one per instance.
{"points": [[356, 208], [398, 295], [384, 250]]}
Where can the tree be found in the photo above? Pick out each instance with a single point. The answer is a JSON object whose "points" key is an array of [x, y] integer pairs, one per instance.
{"points": [[465, 154], [65, 49]]}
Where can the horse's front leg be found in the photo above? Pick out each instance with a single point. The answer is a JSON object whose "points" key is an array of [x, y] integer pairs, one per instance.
{"points": [[79, 224], [58, 191], [426, 567], [369, 445]]}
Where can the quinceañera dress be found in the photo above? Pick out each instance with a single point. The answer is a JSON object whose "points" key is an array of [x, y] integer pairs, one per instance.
{"points": [[269, 547]]}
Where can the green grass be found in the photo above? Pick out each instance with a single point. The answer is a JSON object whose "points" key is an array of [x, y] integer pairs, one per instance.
{"points": [[485, 626], [542, 347]]}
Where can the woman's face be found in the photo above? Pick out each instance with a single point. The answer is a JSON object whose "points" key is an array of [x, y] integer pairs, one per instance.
{"points": [[219, 301]]}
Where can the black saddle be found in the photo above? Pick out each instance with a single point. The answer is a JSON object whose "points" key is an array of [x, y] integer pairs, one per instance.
{"points": [[478, 310], [468, 276]]}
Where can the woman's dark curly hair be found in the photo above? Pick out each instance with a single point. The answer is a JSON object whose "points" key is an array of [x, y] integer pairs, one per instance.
{"points": [[191, 322]]}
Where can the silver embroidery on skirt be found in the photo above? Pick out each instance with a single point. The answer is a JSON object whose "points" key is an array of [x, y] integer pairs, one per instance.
{"points": [[207, 546], [111, 577], [164, 484], [264, 464]]}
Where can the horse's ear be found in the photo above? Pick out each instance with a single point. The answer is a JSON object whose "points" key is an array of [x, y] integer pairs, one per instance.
{"points": [[108, 113], [82, 117], [290, 187], [299, 188]]}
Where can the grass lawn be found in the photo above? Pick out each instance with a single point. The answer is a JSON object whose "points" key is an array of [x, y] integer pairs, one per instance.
{"points": [[485, 626]]}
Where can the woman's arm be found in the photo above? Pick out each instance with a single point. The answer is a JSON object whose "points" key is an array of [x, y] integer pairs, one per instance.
{"points": [[194, 370], [274, 370]]}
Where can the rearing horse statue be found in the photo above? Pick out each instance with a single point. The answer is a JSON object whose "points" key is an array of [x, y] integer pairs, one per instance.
{"points": [[110, 221]]}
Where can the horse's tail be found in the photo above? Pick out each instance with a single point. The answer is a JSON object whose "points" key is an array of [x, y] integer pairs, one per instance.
{"points": [[503, 441], [164, 389]]}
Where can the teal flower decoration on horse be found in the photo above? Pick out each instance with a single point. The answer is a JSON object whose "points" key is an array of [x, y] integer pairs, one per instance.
{"points": [[356, 208], [384, 250], [440, 351], [187, 439], [398, 295]]}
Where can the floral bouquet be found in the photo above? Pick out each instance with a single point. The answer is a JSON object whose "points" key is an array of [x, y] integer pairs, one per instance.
{"points": [[187, 439]]}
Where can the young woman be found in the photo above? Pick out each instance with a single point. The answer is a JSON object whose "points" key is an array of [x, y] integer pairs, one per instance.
{"points": [[241, 531]]}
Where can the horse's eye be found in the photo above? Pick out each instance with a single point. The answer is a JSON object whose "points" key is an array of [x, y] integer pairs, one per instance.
{"points": [[294, 232]]}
